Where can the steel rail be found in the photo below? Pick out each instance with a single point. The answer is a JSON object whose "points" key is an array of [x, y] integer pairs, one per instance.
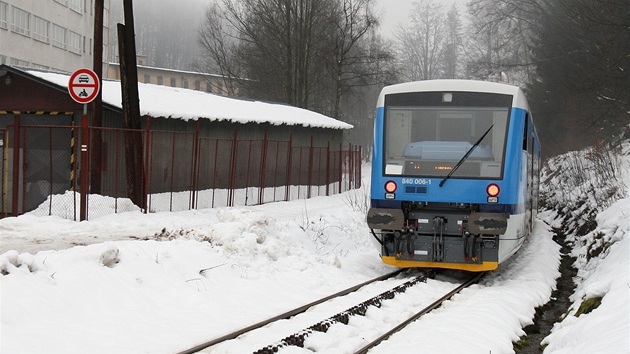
{"points": [[298, 338], [287, 314]]}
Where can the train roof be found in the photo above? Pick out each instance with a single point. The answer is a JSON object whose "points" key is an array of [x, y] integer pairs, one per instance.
{"points": [[519, 101]]}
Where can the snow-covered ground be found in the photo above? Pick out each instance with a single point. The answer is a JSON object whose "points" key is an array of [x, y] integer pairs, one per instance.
{"points": [[163, 282]]}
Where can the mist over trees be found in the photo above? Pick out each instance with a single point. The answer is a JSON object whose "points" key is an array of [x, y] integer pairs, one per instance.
{"points": [[571, 56], [309, 54], [501, 37], [165, 31], [581, 91], [320, 55], [428, 47]]}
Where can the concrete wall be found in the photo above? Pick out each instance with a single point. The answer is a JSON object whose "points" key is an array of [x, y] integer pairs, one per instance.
{"points": [[25, 48]]}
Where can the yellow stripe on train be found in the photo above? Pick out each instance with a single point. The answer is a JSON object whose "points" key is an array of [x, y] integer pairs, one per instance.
{"points": [[483, 267]]}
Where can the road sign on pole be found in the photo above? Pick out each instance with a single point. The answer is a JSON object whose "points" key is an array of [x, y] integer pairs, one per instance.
{"points": [[83, 85], [83, 88]]}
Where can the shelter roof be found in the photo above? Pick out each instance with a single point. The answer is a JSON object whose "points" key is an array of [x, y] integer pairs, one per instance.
{"points": [[186, 104]]}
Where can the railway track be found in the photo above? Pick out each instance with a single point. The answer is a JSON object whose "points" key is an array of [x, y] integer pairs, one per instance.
{"points": [[287, 314], [298, 338]]}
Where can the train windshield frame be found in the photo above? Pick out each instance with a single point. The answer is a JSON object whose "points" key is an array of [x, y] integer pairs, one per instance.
{"points": [[426, 134]]}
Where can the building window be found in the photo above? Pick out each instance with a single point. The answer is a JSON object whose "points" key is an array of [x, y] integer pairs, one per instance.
{"points": [[160, 80], [173, 82], [147, 79], [40, 29], [58, 36], [105, 17], [39, 67], [62, 2], [21, 22], [76, 5], [3, 59], [197, 85], [185, 83], [74, 42], [4, 9], [20, 63]]}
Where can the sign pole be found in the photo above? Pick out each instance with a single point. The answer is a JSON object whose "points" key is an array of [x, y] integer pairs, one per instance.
{"points": [[84, 164], [83, 87]]}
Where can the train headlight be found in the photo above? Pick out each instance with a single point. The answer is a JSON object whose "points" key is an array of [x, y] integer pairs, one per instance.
{"points": [[493, 191], [390, 188]]}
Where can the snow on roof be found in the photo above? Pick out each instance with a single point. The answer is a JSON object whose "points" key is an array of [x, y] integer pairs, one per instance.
{"points": [[186, 104]]}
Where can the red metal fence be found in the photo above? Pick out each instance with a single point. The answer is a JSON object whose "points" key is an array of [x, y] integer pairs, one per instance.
{"points": [[43, 170]]}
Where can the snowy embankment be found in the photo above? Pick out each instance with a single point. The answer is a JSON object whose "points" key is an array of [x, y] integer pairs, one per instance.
{"points": [[162, 282], [591, 205]]}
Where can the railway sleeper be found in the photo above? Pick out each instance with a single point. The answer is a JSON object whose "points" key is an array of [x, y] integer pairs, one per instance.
{"points": [[298, 338]]}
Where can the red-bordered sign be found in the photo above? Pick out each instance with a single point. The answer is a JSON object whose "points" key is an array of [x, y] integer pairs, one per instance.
{"points": [[83, 85]]}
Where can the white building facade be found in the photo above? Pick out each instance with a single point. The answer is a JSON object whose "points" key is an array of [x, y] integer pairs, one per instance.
{"points": [[51, 35]]}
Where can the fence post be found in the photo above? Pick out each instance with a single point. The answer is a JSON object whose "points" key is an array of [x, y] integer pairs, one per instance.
{"points": [[146, 170], [214, 169], [72, 156], [195, 169], [172, 177], [359, 172], [263, 169], [309, 179], [50, 170], [275, 171], [249, 160], [16, 165], [84, 165], [233, 159], [350, 166], [328, 169], [288, 180], [340, 168]]}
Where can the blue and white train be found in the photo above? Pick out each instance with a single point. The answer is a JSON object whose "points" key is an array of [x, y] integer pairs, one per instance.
{"points": [[455, 174]]}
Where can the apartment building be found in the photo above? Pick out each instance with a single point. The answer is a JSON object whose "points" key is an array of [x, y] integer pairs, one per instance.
{"points": [[57, 36], [52, 35], [210, 83]]}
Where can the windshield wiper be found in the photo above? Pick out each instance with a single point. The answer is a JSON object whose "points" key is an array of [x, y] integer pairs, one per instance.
{"points": [[465, 156]]}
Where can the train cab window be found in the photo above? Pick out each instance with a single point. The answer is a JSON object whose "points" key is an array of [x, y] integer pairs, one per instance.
{"points": [[429, 140]]}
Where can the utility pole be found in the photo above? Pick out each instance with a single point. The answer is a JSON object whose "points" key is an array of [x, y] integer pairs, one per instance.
{"points": [[131, 107], [97, 104]]}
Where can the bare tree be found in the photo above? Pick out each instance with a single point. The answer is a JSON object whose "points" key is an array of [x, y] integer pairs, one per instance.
{"points": [[453, 44], [421, 45], [502, 38], [269, 43], [349, 58], [218, 41], [583, 74], [308, 53]]}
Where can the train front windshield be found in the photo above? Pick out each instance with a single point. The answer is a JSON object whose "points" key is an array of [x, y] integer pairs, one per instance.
{"points": [[428, 133]]}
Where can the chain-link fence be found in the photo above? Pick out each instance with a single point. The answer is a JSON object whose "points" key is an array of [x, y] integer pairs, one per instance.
{"points": [[46, 168]]}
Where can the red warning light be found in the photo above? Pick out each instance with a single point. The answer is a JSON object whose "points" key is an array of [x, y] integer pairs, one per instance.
{"points": [[493, 190], [390, 186]]}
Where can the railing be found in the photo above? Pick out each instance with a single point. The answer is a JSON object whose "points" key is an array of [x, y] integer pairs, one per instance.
{"points": [[42, 169]]}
